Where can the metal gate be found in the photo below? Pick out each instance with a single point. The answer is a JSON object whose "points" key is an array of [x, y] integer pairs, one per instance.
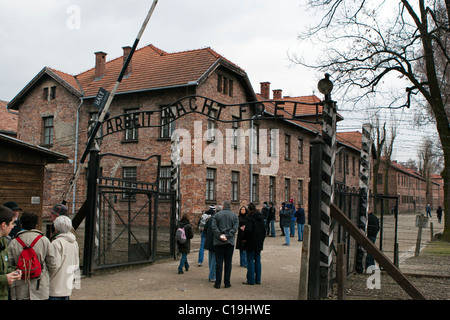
{"points": [[131, 225]]}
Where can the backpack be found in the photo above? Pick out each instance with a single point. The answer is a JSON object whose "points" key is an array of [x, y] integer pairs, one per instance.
{"points": [[28, 261], [204, 218], [181, 235]]}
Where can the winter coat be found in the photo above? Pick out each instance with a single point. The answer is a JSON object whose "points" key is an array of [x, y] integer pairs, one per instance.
{"points": [[186, 247], [271, 214], [255, 232], [224, 222], [286, 216], [300, 215], [38, 288], [66, 264], [209, 243], [240, 234], [373, 225], [4, 268]]}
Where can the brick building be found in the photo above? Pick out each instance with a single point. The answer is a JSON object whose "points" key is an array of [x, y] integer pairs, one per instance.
{"points": [[410, 187], [55, 109]]}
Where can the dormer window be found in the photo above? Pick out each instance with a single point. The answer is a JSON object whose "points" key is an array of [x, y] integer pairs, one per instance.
{"points": [[224, 85], [49, 93]]}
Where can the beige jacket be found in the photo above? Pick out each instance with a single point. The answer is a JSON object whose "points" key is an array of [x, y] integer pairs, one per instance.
{"points": [[36, 289], [66, 270]]}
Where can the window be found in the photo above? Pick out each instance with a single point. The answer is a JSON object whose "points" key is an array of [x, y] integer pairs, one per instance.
{"points": [[353, 166], [287, 147], [255, 137], [235, 128], [300, 150], [300, 192], [211, 127], [49, 93], [234, 186], [131, 134], [255, 188], [272, 189], [225, 85], [52, 93], [48, 131], [130, 174], [210, 184], [287, 189], [165, 177], [272, 143], [167, 123]]}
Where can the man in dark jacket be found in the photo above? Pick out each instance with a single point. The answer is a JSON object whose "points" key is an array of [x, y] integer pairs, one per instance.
{"points": [[185, 248], [286, 212], [254, 235], [224, 225], [300, 215], [271, 220], [373, 226]]}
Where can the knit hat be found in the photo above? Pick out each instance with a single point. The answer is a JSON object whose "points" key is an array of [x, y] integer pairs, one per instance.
{"points": [[59, 209], [12, 205], [212, 207], [291, 200]]}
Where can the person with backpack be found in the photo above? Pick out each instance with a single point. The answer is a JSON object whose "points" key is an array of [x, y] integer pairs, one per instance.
{"points": [[184, 235], [34, 285], [7, 274]]}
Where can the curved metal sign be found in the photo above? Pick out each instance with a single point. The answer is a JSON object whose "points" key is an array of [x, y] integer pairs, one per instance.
{"points": [[206, 106]]}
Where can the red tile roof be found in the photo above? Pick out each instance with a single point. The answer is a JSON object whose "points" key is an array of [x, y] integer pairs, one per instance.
{"points": [[8, 120], [153, 68]]}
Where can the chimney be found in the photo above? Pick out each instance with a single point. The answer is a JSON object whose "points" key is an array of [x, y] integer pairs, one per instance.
{"points": [[100, 63], [265, 90], [277, 94], [126, 52]]}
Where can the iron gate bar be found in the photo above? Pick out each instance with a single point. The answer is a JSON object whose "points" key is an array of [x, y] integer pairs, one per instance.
{"points": [[125, 226], [384, 262]]}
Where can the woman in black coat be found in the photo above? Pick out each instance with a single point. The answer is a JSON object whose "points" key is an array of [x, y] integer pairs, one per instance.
{"points": [[254, 235], [243, 211], [185, 248]]}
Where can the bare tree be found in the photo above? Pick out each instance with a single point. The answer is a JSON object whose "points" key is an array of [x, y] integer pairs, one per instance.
{"points": [[371, 43]]}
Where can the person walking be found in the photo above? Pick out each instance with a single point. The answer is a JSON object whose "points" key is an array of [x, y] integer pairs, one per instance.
{"points": [[201, 226], [428, 210], [243, 211], [7, 273], [185, 248], [265, 213], [439, 214], [254, 235], [286, 212], [224, 225], [373, 226], [67, 263], [271, 220], [300, 216], [34, 288], [209, 245]]}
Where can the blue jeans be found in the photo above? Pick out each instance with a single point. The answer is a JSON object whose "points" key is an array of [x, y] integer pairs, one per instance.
{"points": [[272, 228], [253, 267], [292, 228], [224, 255], [212, 265], [242, 258], [183, 263], [286, 234], [300, 231], [202, 247]]}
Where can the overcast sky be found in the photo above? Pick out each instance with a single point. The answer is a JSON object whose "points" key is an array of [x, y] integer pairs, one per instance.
{"points": [[257, 35]]}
